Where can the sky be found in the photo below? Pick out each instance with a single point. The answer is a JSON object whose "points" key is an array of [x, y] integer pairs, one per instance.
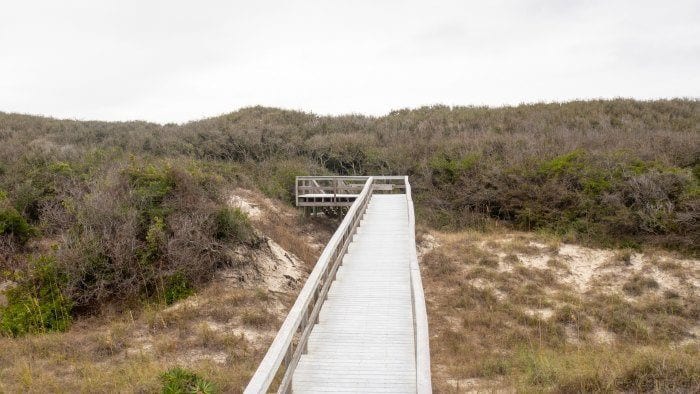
{"points": [[176, 60]]}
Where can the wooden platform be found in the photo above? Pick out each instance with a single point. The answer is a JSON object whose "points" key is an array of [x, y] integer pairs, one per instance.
{"points": [[364, 340], [340, 191], [359, 323], [326, 200]]}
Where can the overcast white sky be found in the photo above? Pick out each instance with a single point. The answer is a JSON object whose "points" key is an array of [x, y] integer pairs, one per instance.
{"points": [[176, 60]]}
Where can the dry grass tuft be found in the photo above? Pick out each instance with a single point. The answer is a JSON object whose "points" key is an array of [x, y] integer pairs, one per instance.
{"points": [[638, 284]]}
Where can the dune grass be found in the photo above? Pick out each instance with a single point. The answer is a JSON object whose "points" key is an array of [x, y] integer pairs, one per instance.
{"points": [[520, 323]]}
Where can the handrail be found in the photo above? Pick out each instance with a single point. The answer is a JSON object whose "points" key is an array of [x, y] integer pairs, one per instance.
{"points": [[420, 315], [351, 178], [304, 312]]}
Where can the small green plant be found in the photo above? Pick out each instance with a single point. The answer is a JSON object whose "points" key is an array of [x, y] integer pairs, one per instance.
{"points": [[567, 163], [60, 167], [495, 366], [37, 304], [151, 185], [181, 381], [12, 223], [177, 287], [155, 241], [232, 223]]}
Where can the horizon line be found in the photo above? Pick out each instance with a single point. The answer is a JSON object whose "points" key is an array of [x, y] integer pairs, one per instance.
{"points": [[343, 114]]}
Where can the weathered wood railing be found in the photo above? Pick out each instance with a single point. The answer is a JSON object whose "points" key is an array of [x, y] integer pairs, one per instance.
{"points": [[304, 312], [290, 343], [420, 315], [339, 190]]}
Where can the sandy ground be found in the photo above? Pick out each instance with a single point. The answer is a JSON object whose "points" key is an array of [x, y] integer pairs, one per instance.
{"points": [[584, 269]]}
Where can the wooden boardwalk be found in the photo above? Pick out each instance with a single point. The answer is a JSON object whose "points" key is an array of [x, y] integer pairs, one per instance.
{"points": [[359, 323], [363, 341]]}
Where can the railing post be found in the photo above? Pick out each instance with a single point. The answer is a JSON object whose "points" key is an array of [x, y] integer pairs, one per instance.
{"points": [[335, 190]]}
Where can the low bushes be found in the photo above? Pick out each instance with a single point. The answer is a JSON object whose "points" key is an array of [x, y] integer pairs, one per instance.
{"points": [[605, 171], [151, 231], [609, 199], [526, 329], [154, 230], [128, 206], [38, 302]]}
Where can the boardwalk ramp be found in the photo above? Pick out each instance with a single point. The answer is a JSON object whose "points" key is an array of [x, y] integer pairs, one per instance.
{"points": [[359, 323]]}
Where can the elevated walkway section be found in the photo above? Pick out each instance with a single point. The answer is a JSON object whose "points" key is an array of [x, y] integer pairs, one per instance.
{"points": [[359, 323], [363, 341]]}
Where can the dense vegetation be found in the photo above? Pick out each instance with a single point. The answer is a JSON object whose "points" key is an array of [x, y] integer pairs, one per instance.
{"points": [[133, 210], [124, 232]]}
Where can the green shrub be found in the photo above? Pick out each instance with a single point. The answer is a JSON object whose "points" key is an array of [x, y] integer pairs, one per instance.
{"points": [[277, 179], [181, 381], [151, 185], [37, 303], [232, 224], [579, 169], [155, 241], [93, 274], [571, 162], [147, 232], [447, 169], [177, 287], [61, 168], [12, 223]]}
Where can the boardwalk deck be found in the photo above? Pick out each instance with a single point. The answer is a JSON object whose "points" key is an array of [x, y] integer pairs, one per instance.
{"points": [[359, 323], [364, 340]]}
